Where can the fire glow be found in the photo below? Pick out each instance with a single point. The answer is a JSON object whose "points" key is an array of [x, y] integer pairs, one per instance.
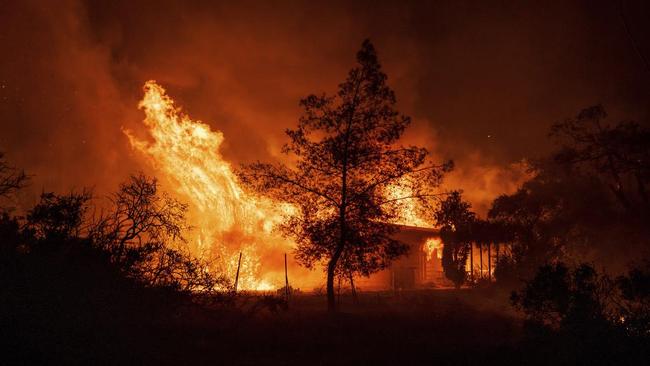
{"points": [[409, 214], [431, 245], [226, 219]]}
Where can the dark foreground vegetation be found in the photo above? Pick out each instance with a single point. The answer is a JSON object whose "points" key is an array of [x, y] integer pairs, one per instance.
{"points": [[69, 298], [70, 318]]}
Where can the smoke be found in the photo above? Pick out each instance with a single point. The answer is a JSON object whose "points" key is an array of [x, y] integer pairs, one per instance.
{"points": [[482, 181], [482, 83], [61, 107]]}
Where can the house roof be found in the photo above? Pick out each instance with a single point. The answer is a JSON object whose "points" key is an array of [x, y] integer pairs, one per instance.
{"points": [[418, 229]]}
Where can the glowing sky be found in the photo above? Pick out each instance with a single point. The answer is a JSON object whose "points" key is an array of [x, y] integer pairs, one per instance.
{"points": [[482, 81]]}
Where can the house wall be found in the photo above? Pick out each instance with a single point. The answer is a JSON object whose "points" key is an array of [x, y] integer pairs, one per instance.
{"points": [[412, 270]]}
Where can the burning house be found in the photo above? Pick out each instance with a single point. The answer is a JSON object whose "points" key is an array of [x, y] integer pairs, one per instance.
{"points": [[235, 229], [422, 268]]}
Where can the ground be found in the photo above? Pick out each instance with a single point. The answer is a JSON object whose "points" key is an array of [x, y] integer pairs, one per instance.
{"points": [[426, 327], [419, 327]]}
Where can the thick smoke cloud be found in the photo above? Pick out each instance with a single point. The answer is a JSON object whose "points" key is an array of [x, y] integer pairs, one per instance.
{"points": [[483, 81], [60, 107]]}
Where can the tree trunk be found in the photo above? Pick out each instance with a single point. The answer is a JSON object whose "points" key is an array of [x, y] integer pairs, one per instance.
{"points": [[480, 254], [338, 293], [354, 290], [496, 264], [331, 298], [331, 269], [331, 266]]}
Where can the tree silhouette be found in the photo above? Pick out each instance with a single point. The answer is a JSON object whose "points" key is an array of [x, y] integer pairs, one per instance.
{"points": [[618, 154], [560, 297], [59, 216], [141, 217], [346, 160], [634, 304], [11, 179], [11, 235], [143, 233], [582, 200], [456, 222]]}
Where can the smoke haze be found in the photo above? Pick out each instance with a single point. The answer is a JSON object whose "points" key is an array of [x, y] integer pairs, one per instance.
{"points": [[482, 81]]}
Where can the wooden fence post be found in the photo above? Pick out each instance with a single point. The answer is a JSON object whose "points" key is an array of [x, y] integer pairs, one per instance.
{"points": [[237, 275], [286, 278]]}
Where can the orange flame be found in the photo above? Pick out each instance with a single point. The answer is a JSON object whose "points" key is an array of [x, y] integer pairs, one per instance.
{"points": [[409, 212], [433, 244], [228, 219]]}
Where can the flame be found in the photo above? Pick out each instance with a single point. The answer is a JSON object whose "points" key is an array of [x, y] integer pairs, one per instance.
{"points": [[409, 212], [433, 244], [227, 219]]}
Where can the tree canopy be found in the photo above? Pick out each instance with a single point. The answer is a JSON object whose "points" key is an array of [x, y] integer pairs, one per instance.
{"points": [[346, 165]]}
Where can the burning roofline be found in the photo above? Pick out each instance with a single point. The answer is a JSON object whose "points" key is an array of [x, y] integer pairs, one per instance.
{"points": [[417, 228]]}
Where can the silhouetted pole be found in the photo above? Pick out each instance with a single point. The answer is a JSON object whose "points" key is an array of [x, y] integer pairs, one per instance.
{"points": [[237, 275], [286, 278], [489, 261], [496, 264], [480, 254], [471, 260]]}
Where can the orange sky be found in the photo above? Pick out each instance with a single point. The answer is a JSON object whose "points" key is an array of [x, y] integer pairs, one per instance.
{"points": [[482, 82]]}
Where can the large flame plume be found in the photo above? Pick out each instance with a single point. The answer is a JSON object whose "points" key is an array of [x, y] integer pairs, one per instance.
{"points": [[227, 219]]}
